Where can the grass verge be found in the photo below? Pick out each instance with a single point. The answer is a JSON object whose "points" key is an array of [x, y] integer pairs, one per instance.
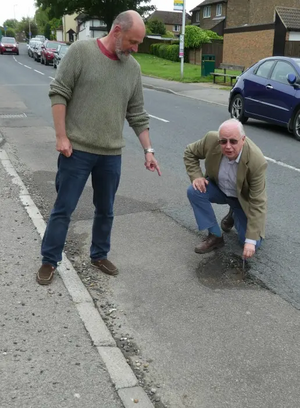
{"points": [[161, 68]]}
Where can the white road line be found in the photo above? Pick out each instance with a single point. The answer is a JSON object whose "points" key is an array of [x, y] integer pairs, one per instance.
{"points": [[39, 72], [162, 120], [19, 63], [51, 77], [26, 66], [287, 166]]}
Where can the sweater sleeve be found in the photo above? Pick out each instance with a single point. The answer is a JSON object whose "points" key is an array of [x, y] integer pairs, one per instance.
{"points": [[62, 86], [136, 115]]}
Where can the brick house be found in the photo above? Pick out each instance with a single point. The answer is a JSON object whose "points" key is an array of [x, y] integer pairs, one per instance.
{"points": [[171, 19], [210, 15], [251, 32]]}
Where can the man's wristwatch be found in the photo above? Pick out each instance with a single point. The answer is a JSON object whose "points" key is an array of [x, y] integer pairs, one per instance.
{"points": [[149, 150]]}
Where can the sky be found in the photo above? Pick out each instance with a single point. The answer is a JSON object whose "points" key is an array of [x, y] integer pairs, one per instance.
{"points": [[23, 8]]}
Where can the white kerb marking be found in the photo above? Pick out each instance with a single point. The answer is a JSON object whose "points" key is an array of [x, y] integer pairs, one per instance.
{"points": [[26, 66], [157, 118]]}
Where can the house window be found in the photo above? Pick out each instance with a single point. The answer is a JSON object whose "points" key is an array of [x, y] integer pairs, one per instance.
{"points": [[176, 28], [218, 10], [197, 16], [207, 12]]}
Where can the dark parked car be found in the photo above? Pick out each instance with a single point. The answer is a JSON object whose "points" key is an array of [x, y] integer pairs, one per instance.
{"points": [[9, 45], [37, 51], [48, 49], [59, 54], [269, 91]]}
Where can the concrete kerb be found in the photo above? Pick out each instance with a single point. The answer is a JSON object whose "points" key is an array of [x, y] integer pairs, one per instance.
{"points": [[119, 371], [170, 91]]}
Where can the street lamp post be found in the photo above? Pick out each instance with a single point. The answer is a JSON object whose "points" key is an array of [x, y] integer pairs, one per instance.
{"points": [[182, 41], [14, 7]]}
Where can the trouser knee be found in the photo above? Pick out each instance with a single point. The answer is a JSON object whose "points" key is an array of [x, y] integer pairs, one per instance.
{"points": [[195, 196]]}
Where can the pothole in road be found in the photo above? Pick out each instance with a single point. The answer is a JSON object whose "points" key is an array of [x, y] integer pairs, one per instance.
{"points": [[225, 271]]}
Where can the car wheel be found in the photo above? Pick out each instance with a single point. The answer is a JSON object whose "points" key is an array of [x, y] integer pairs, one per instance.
{"points": [[54, 65], [237, 108], [46, 61], [42, 61], [296, 125]]}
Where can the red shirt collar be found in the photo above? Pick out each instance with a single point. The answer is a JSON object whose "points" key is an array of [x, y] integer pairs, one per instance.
{"points": [[105, 51]]}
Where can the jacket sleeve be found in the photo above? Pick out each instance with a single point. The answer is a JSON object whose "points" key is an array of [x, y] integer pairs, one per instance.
{"points": [[61, 88], [193, 153], [257, 203], [136, 115]]}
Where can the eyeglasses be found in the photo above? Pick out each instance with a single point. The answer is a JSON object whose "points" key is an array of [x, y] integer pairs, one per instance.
{"points": [[231, 141]]}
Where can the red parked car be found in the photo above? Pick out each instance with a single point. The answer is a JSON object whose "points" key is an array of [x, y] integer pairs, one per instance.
{"points": [[48, 49], [9, 45]]}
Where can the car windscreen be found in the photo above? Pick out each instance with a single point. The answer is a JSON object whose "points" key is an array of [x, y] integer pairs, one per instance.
{"points": [[8, 40], [63, 50], [52, 45]]}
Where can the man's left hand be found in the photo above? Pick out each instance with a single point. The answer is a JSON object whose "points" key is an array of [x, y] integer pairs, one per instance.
{"points": [[151, 163], [249, 250]]}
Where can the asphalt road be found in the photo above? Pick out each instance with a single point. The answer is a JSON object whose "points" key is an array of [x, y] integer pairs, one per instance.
{"points": [[176, 121]]}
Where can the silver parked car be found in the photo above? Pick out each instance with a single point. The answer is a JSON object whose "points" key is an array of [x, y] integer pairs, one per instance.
{"points": [[59, 54], [31, 45]]}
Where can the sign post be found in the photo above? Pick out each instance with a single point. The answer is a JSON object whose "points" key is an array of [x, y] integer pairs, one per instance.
{"points": [[180, 6]]}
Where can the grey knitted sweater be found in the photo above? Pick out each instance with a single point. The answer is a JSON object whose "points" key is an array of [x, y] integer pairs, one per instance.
{"points": [[100, 93]]}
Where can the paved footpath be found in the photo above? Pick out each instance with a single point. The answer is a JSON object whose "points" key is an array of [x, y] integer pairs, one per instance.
{"points": [[55, 350], [206, 91]]}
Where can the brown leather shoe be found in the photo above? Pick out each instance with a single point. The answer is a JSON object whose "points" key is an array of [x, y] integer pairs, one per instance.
{"points": [[105, 266], [227, 222], [210, 243], [45, 274]]}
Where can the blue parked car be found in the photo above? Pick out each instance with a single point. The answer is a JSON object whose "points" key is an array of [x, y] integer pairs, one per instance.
{"points": [[270, 91]]}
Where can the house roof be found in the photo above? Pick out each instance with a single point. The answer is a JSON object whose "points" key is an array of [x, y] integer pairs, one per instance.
{"points": [[207, 3], [213, 23], [168, 17], [290, 17]]}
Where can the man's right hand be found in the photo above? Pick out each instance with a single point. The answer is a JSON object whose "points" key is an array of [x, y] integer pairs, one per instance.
{"points": [[63, 146], [200, 184]]}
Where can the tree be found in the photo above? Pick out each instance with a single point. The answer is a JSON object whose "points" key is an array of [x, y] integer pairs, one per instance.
{"points": [[47, 31], [42, 18], [24, 26], [11, 23], [156, 27], [10, 32], [195, 36], [105, 10]]}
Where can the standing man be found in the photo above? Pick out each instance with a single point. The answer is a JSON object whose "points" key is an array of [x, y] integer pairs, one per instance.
{"points": [[235, 175], [97, 86]]}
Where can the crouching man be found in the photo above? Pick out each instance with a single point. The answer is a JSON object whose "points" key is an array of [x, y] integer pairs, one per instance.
{"points": [[235, 175]]}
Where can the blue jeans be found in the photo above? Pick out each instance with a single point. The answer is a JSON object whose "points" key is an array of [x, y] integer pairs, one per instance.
{"points": [[71, 178], [205, 215]]}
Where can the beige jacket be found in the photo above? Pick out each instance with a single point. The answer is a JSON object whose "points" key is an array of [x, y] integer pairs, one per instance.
{"points": [[251, 177]]}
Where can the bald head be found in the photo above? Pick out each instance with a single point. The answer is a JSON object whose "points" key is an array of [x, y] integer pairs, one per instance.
{"points": [[128, 20], [232, 125]]}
